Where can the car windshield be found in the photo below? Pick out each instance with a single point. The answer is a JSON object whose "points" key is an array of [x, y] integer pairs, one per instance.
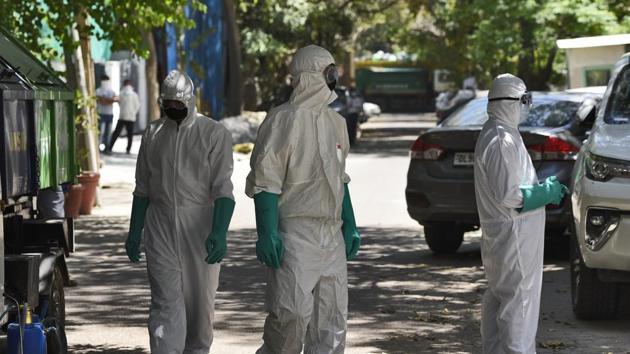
{"points": [[619, 106], [546, 111]]}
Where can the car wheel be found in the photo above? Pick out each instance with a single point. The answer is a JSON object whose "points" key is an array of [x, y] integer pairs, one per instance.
{"points": [[57, 300], [592, 298], [443, 237]]}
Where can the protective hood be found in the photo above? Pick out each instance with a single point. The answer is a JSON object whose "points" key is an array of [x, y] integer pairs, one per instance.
{"points": [[309, 86], [507, 112], [178, 86]]}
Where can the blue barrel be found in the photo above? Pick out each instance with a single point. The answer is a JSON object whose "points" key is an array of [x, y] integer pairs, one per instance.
{"points": [[34, 338]]}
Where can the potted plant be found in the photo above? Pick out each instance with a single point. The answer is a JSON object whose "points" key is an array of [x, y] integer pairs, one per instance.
{"points": [[73, 197], [87, 151], [89, 182]]}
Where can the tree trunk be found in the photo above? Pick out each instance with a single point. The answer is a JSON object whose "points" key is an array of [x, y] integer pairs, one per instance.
{"points": [[544, 76], [89, 157], [151, 70], [348, 69], [234, 79], [71, 70], [526, 60]]}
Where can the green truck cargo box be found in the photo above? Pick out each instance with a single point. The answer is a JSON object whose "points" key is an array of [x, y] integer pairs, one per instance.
{"points": [[396, 89], [54, 114]]}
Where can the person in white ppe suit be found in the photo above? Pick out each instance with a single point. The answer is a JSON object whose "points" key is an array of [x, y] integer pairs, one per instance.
{"points": [[304, 218], [183, 200], [510, 202]]}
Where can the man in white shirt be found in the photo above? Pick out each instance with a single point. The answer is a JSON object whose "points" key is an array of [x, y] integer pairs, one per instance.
{"points": [[105, 98], [129, 107]]}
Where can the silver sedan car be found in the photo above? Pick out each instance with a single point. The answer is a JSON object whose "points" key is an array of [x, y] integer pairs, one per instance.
{"points": [[440, 189]]}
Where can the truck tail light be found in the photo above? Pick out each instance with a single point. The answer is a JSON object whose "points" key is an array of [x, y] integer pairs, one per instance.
{"points": [[423, 151], [553, 149]]}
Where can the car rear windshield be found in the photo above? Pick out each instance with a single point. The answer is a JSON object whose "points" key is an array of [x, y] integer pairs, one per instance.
{"points": [[618, 110], [546, 111]]}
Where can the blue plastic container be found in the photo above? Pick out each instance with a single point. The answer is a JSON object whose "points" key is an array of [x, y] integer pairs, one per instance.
{"points": [[34, 338]]}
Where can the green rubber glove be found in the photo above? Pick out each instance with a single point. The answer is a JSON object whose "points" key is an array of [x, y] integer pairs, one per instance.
{"points": [[541, 194], [138, 213], [553, 180], [269, 248], [351, 235], [216, 243]]}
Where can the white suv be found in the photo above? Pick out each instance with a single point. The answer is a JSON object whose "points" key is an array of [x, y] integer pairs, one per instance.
{"points": [[600, 244]]}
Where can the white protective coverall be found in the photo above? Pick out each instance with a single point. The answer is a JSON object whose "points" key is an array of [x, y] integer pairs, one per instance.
{"points": [[182, 170], [300, 154], [512, 243]]}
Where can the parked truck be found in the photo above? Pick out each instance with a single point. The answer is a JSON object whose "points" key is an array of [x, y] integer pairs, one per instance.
{"points": [[37, 156], [397, 89]]}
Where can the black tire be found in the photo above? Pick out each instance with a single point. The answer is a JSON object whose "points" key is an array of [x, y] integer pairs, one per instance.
{"points": [[443, 237], [592, 299], [57, 299]]}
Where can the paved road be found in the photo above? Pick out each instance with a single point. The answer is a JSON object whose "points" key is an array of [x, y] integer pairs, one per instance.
{"points": [[403, 299]]}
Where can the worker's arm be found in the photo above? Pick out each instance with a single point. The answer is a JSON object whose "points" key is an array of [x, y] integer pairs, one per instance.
{"points": [[538, 195], [351, 235], [216, 243], [269, 246], [221, 162], [140, 202], [138, 214], [269, 163], [500, 161]]}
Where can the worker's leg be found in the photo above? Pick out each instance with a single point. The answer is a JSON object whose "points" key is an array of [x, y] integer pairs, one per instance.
{"points": [[167, 317], [115, 135], [327, 328], [129, 126]]}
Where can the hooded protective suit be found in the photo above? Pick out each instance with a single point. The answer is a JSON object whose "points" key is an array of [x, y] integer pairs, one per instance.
{"points": [[512, 242], [300, 155], [182, 169]]}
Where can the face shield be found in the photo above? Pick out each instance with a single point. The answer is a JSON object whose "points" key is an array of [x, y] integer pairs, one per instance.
{"points": [[331, 75], [176, 96], [525, 101]]}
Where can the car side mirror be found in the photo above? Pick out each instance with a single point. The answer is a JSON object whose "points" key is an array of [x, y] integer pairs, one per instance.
{"points": [[587, 112]]}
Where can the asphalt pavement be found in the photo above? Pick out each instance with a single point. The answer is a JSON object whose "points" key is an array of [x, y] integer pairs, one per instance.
{"points": [[403, 298]]}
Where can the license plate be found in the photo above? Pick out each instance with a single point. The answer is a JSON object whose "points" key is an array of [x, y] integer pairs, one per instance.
{"points": [[464, 159]]}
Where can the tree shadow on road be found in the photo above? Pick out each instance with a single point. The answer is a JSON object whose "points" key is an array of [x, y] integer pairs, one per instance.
{"points": [[102, 349], [410, 300], [403, 298], [110, 291]]}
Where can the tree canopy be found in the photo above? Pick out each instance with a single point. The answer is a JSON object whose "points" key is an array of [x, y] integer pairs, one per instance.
{"points": [[466, 37], [44, 25]]}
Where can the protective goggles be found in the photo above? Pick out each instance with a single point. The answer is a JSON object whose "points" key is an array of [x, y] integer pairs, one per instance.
{"points": [[170, 103], [331, 74], [525, 99]]}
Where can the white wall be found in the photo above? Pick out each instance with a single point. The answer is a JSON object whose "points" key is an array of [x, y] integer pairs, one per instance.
{"points": [[580, 58]]}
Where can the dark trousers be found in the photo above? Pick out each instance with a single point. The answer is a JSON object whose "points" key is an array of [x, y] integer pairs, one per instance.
{"points": [[105, 127], [119, 127]]}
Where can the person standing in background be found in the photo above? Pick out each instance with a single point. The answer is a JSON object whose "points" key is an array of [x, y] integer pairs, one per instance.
{"points": [[129, 107], [105, 99]]}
